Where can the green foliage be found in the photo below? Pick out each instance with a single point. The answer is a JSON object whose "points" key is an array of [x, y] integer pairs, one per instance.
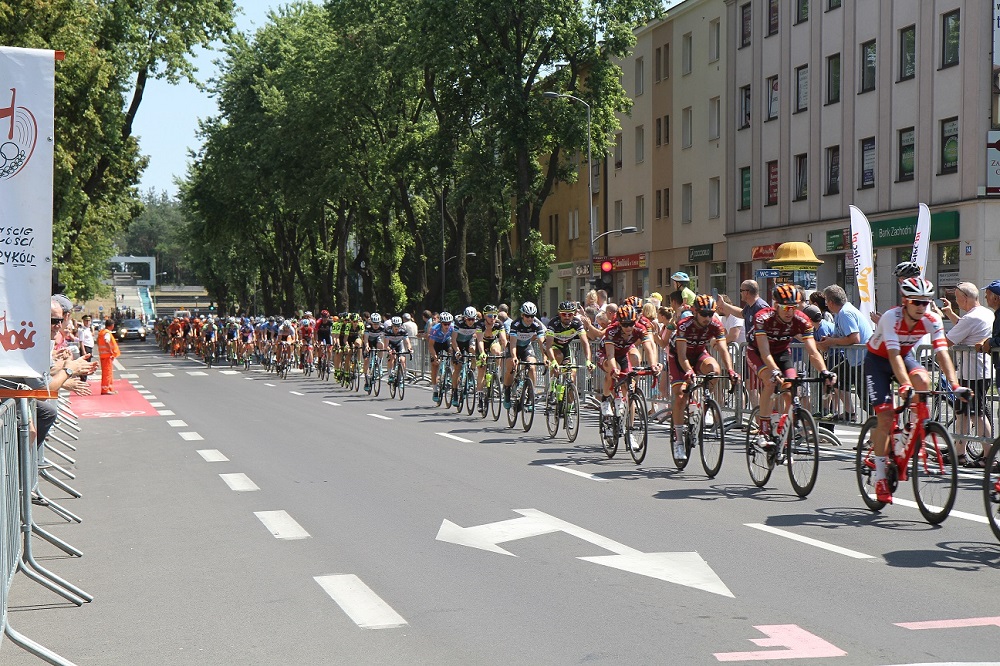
{"points": [[530, 270]]}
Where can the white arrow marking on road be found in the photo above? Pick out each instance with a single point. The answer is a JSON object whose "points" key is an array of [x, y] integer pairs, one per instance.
{"points": [[361, 604], [685, 568], [332, 404], [812, 542], [455, 437], [798, 644], [379, 416], [578, 473]]}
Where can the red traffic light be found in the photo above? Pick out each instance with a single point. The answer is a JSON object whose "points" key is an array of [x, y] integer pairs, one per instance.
{"points": [[606, 266]]}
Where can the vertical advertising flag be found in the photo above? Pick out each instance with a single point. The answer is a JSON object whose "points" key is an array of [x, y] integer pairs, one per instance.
{"points": [[27, 110], [861, 241], [922, 241]]}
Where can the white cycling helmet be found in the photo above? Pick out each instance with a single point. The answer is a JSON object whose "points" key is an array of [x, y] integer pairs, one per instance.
{"points": [[916, 287], [470, 312], [376, 318], [446, 318], [528, 308], [396, 321], [906, 269]]}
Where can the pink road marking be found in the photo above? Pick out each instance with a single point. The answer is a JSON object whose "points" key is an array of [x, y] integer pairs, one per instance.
{"points": [[951, 624], [800, 644]]}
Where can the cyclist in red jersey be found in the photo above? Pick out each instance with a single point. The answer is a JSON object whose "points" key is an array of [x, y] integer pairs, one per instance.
{"points": [[768, 351], [889, 356], [619, 339]]}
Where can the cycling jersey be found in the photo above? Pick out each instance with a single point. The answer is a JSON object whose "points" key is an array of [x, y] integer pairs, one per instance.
{"points": [[439, 334], [324, 330], [779, 334], [490, 336], [525, 333], [616, 336], [306, 332], [246, 332], [394, 337], [697, 337], [232, 331], [373, 333], [562, 333], [286, 331], [466, 332], [208, 330], [891, 333]]}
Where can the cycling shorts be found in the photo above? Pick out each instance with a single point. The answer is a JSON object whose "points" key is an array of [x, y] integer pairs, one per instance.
{"points": [[326, 338], [783, 361], [879, 377], [524, 353], [676, 374]]}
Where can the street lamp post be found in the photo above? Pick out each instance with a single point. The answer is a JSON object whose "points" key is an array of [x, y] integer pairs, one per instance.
{"points": [[443, 263], [590, 178]]}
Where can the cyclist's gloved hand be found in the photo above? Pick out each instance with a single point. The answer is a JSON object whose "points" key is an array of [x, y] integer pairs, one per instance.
{"points": [[590, 365], [554, 364], [829, 377], [963, 393], [905, 391], [777, 377], [689, 376], [734, 377]]}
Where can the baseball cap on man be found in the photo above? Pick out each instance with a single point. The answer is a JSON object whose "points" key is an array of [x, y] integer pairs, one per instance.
{"points": [[994, 287]]}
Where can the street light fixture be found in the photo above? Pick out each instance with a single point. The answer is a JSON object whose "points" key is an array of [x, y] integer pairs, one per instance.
{"points": [[590, 177], [468, 254]]}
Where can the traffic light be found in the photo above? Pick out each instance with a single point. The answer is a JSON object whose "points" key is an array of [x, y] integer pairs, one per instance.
{"points": [[605, 281]]}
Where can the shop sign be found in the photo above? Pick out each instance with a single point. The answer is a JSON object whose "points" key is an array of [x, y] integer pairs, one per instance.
{"points": [[902, 230], [582, 270], [564, 270], [698, 253], [949, 279], [766, 252], [993, 147], [625, 262], [838, 239]]}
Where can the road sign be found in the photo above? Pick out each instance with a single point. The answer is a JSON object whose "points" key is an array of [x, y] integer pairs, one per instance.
{"points": [[100, 308], [772, 273], [687, 569]]}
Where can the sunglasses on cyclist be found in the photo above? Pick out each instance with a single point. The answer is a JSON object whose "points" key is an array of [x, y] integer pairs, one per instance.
{"points": [[490, 316], [446, 323], [528, 316], [919, 304], [706, 313], [627, 324]]}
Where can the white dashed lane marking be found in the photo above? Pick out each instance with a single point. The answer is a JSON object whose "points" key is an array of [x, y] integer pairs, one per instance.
{"points": [[809, 541], [361, 604], [197, 373], [191, 436], [578, 473], [332, 404], [450, 436], [296, 393], [239, 482], [165, 412], [281, 525], [163, 374], [212, 455], [176, 423], [379, 416]]}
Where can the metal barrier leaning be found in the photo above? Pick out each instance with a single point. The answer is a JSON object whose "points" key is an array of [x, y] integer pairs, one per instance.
{"points": [[419, 370]]}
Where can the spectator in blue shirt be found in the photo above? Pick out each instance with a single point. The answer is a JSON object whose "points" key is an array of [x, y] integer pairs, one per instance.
{"points": [[850, 327]]}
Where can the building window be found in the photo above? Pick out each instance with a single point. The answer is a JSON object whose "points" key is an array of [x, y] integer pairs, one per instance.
{"points": [[949, 145], [687, 201], [686, 129], [949, 39], [640, 144], [714, 117], [714, 35], [744, 117], [666, 202], [802, 88], [745, 196], [833, 79], [868, 66], [619, 213], [746, 25], [904, 168], [772, 184], [834, 4], [618, 150], [659, 131], [640, 212], [686, 54], [907, 53], [658, 65], [867, 163], [713, 197], [666, 61], [833, 170], [801, 177], [574, 224], [717, 276], [658, 204], [772, 98], [666, 129], [772, 17], [640, 76], [801, 11]]}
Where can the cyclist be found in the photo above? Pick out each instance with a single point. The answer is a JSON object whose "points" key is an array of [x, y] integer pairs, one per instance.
{"points": [[902, 271], [286, 338], [440, 336], [232, 337], [689, 357], [208, 334], [307, 332], [493, 334], [246, 337], [769, 355], [561, 331], [373, 339], [463, 336], [890, 356], [527, 328], [620, 339], [398, 343], [324, 334]]}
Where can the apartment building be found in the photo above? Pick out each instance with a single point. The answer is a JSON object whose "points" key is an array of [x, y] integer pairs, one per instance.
{"points": [[882, 105]]}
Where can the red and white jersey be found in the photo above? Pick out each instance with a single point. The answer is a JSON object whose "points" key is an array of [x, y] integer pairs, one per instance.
{"points": [[780, 334], [614, 335], [891, 333], [697, 337]]}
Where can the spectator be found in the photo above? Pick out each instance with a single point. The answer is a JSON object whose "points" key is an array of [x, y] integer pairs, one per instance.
{"points": [[602, 299], [752, 304], [819, 300], [735, 330], [992, 343], [428, 318], [969, 329], [85, 334], [590, 300], [822, 328], [108, 348], [545, 318], [409, 325], [681, 281], [656, 299], [850, 327]]}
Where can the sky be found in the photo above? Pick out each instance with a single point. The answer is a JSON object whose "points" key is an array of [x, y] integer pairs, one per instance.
{"points": [[167, 121]]}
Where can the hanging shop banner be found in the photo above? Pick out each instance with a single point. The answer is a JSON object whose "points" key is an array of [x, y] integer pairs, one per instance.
{"points": [[763, 252], [861, 241], [27, 111], [922, 239]]}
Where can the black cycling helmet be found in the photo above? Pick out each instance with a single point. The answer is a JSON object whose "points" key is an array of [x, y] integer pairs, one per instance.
{"points": [[906, 269]]}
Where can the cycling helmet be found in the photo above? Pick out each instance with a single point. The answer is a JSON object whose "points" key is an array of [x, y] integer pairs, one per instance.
{"points": [[335, 319], [309, 313], [680, 276], [634, 301], [704, 303], [528, 309], [786, 294], [906, 269], [324, 313], [396, 321], [376, 318], [491, 309], [470, 313], [627, 315], [446, 318], [567, 306], [281, 320], [916, 287]]}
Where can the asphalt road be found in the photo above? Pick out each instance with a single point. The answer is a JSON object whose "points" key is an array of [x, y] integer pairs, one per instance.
{"points": [[576, 558]]}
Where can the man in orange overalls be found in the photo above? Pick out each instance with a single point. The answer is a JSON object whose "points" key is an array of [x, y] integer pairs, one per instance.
{"points": [[107, 346]]}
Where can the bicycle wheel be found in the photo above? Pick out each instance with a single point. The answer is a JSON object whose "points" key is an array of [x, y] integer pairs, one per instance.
{"points": [[370, 375], [991, 488], [711, 438], [864, 466], [515, 404], [527, 405], [552, 411], [636, 427], [935, 474], [571, 412], [400, 380], [440, 386], [377, 375], [609, 435], [392, 383], [681, 463], [803, 453], [495, 396], [759, 464], [470, 392]]}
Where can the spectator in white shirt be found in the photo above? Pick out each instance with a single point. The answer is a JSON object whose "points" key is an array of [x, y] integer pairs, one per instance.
{"points": [[973, 369]]}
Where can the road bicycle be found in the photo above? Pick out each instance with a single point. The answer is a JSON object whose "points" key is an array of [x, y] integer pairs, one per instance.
{"points": [[921, 450], [942, 410], [794, 444], [628, 418], [562, 403], [703, 425], [397, 376], [373, 378], [467, 384], [209, 355], [323, 362], [991, 487], [492, 398], [522, 396], [443, 382]]}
